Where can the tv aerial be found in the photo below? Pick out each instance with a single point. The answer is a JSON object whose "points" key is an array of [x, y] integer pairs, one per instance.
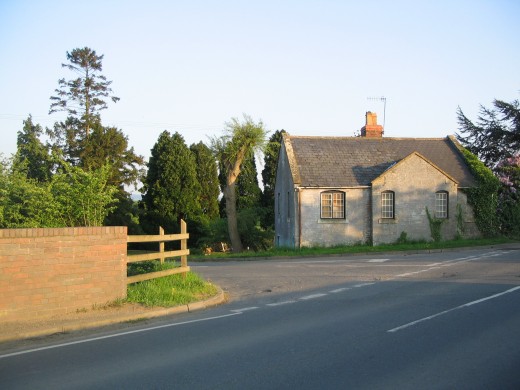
{"points": [[381, 99]]}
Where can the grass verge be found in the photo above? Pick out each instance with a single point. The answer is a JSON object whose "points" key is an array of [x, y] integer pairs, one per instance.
{"points": [[351, 249], [168, 291]]}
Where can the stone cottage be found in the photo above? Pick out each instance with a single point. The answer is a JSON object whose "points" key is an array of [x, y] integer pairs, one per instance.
{"points": [[369, 189]]}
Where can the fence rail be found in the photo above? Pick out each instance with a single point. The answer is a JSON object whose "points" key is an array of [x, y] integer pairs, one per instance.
{"points": [[161, 238]]}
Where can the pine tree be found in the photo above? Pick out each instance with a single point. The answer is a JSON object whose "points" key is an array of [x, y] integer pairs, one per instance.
{"points": [[83, 97]]}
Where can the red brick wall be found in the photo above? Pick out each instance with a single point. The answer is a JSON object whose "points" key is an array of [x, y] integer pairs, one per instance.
{"points": [[44, 272]]}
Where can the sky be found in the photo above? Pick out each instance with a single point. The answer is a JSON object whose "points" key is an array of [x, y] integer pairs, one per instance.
{"points": [[308, 67]]}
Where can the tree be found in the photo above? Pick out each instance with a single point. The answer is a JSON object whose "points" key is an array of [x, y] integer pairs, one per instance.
{"points": [[83, 197], [272, 151], [82, 98], [239, 142], [496, 135], [207, 176], [73, 197], [508, 172], [109, 144], [248, 191], [495, 139], [32, 156], [171, 189], [25, 202]]}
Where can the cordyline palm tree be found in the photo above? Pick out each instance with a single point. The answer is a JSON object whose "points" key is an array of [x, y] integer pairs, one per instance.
{"points": [[239, 141]]}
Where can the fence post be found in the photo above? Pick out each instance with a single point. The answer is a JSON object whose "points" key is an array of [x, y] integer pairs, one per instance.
{"points": [[184, 245], [161, 244]]}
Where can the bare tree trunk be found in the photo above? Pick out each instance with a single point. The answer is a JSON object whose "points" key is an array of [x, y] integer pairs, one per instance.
{"points": [[231, 212], [231, 202]]}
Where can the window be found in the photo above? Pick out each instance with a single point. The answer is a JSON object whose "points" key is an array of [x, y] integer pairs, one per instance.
{"points": [[387, 205], [441, 204], [333, 205]]}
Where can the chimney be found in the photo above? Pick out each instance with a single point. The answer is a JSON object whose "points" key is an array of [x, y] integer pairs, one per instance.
{"points": [[371, 128]]}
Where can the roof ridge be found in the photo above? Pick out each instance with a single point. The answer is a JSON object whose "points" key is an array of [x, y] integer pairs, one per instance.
{"points": [[364, 138]]}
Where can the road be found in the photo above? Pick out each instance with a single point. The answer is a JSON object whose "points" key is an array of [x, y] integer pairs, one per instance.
{"points": [[429, 321]]}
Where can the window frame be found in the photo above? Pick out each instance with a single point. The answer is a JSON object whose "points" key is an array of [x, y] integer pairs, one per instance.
{"points": [[336, 211], [386, 207], [443, 201]]}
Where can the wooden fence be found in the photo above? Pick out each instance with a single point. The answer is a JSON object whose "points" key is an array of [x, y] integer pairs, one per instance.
{"points": [[161, 255]]}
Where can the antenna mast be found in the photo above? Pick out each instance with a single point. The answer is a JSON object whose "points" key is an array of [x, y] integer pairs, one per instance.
{"points": [[381, 99]]}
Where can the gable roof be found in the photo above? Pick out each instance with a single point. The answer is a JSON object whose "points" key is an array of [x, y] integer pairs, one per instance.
{"points": [[410, 157], [356, 161]]}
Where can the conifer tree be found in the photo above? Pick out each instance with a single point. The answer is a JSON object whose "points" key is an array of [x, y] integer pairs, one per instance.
{"points": [[207, 176], [171, 190]]}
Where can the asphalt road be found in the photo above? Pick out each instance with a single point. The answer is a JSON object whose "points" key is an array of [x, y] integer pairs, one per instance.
{"points": [[430, 321]]}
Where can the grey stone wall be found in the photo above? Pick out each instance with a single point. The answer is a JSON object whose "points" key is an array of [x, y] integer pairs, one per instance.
{"points": [[329, 232], [285, 204], [414, 182]]}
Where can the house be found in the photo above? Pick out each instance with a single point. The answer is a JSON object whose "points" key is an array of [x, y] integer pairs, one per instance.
{"points": [[370, 189]]}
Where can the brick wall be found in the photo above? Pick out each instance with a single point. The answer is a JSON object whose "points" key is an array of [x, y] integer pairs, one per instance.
{"points": [[44, 272]]}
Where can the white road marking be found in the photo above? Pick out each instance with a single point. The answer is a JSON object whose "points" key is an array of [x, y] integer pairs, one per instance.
{"points": [[280, 303], [245, 309], [116, 335], [448, 263], [452, 309], [378, 260], [312, 296], [362, 285], [338, 290]]}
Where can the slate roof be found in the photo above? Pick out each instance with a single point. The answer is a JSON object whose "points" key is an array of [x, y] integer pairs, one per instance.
{"points": [[357, 161]]}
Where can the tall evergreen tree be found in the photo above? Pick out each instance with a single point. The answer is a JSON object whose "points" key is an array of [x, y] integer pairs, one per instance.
{"points": [[248, 191], [83, 97], [171, 189], [271, 153], [32, 156], [207, 176]]}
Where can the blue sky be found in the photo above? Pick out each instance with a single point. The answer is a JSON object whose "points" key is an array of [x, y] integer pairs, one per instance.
{"points": [[304, 66]]}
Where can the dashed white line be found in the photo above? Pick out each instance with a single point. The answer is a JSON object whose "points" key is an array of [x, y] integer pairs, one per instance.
{"points": [[245, 309], [312, 296], [280, 303], [338, 290], [378, 260]]}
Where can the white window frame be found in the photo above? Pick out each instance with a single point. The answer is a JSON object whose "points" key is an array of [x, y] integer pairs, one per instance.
{"points": [[441, 204], [388, 205], [333, 205]]}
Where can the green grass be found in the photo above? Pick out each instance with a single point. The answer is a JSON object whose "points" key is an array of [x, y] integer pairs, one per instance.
{"points": [[350, 249], [173, 290]]}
